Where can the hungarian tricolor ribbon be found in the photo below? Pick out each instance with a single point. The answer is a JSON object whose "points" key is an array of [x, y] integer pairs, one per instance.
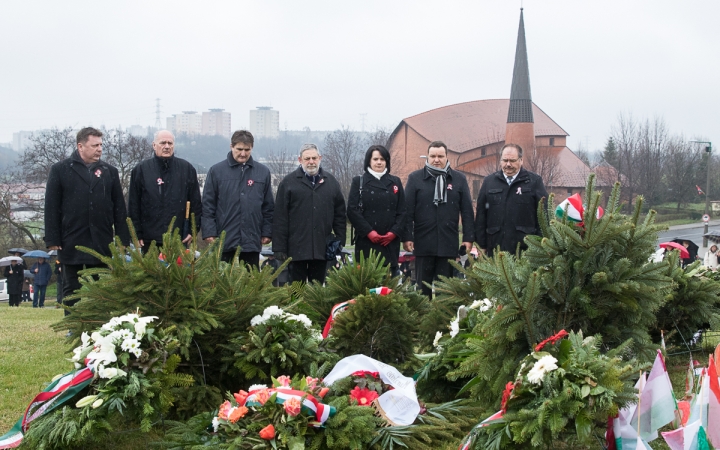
{"points": [[310, 405], [340, 307], [57, 393]]}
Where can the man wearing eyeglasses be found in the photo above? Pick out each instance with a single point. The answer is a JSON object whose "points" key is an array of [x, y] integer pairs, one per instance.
{"points": [[507, 204], [160, 188], [309, 213]]}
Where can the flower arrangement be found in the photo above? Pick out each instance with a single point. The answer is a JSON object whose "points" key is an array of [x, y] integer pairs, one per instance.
{"points": [[130, 381], [278, 342], [564, 391]]}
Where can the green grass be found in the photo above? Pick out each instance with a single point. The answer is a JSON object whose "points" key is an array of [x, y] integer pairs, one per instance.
{"points": [[32, 354]]}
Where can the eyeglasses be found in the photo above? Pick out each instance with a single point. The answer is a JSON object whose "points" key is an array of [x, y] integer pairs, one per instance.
{"points": [[511, 161], [166, 143]]}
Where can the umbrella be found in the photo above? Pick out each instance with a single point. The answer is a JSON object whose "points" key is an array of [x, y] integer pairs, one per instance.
{"points": [[37, 254], [713, 236], [29, 274], [52, 253], [346, 251], [692, 247], [12, 251], [675, 246], [6, 260], [267, 252]]}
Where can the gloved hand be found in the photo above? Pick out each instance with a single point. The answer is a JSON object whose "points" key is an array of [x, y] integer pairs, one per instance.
{"points": [[374, 237], [386, 239]]}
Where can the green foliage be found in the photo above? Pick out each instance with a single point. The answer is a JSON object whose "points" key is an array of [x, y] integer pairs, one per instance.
{"points": [[379, 326], [596, 278], [563, 393], [692, 305], [279, 345], [343, 284], [205, 301]]}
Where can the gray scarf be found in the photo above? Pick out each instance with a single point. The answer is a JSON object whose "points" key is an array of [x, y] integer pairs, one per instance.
{"points": [[440, 176]]}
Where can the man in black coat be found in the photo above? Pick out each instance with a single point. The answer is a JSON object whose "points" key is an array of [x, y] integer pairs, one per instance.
{"points": [[437, 197], [160, 188], [309, 213], [507, 204], [84, 206], [237, 199]]}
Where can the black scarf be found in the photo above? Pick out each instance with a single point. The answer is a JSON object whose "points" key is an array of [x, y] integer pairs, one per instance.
{"points": [[440, 176]]}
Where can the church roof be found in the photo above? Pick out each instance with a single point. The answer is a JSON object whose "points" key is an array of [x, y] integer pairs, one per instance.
{"points": [[469, 125], [520, 96]]}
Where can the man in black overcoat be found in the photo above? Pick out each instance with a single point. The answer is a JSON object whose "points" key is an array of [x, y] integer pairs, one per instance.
{"points": [[507, 204], [309, 212], [160, 188], [437, 198], [84, 206]]}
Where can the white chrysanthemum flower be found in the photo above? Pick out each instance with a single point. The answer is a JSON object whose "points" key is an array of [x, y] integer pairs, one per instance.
{"points": [[544, 365], [130, 345], [454, 328], [257, 387], [305, 320], [126, 334], [273, 311], [436, 341], [215, 424], [257, 320]]}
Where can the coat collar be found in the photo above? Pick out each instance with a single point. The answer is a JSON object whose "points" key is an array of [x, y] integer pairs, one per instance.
{"points": [[384, 181], [522, 175], [92, 173], [232, 163], [300, 173]]}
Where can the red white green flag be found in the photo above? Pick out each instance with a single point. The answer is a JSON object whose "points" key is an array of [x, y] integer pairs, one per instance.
{"points": [[690, 437], [657, 405]]}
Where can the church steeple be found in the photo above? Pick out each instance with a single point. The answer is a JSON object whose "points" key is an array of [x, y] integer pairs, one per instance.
{"points": [[520, 128], [520, 97]]}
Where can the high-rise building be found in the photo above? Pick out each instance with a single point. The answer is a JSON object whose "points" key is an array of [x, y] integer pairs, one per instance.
{"points": [[265, 122], [189, 122], [216, 122], [21, 139]]}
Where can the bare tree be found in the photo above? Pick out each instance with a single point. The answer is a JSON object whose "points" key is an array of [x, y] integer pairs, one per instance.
{"points": [[343, 156], [379, 136], [21, 207], [680, 173], [280, 163], [545, 163], [125, 151], [625, 137], [47, 148]]}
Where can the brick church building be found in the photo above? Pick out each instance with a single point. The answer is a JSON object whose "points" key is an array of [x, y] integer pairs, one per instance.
{"points": [[476, 131]]}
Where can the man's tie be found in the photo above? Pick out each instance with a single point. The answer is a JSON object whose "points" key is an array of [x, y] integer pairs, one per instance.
{"points": [[509, 179]]}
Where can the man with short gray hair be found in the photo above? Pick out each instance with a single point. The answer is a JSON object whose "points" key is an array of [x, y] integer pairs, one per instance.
{"points": [[309, 213], [160, 188]]}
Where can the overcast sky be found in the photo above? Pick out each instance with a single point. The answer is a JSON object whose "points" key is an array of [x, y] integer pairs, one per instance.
{"points": [[324, 63]]}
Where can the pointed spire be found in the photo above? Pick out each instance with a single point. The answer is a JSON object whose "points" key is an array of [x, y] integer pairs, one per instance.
{"points": [[520, 98]]}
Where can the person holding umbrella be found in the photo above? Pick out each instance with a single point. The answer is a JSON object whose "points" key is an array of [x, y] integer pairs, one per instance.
{"points": [[14, 274], [161, 188], [42, 272]]}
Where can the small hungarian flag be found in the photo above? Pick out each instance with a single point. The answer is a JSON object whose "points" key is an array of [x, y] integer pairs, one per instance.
{"points": [[382, 290], [700, 191], [656, 405]]}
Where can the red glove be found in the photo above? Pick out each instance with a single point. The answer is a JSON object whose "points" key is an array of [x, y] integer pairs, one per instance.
{"points": [[386, 239], [374, 237]]}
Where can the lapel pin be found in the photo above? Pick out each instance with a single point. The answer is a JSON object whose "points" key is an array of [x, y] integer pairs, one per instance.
{"points": [[250, 182], [98, 173], [519, 191]]}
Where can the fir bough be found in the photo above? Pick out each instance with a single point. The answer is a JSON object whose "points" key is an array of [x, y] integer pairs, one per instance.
{"points": [[379, 326]]}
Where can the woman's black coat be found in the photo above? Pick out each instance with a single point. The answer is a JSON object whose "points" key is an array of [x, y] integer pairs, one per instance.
{"points": [[15, 279], [383, 210]]}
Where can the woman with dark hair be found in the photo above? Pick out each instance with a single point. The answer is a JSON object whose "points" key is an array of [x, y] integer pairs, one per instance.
{"points": [[376, 208]]}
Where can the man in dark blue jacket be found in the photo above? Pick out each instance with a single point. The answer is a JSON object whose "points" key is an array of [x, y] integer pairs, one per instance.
{"points": [[238, 200], [160, 189], [42, 272]]}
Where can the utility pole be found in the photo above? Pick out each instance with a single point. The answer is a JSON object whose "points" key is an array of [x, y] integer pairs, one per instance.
{"points": [[708, 150]]}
